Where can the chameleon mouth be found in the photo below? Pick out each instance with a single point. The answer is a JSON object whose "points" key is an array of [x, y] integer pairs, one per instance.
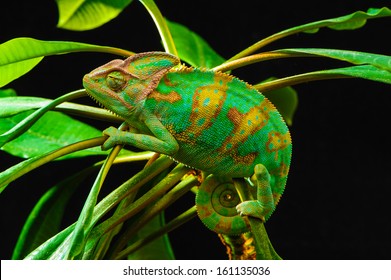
{"points": [[103, 106], [87, 81]]}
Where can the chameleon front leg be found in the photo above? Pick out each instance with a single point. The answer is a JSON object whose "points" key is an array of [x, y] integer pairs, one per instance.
{"points": [[264, 205], [160, 142]]}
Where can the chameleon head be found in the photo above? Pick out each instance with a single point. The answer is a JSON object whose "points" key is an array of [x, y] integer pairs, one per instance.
{"points": [[122, 85]]}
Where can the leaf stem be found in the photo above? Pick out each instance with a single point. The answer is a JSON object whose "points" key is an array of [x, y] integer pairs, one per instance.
{"points": [[84, 223], [152, 195], [350, 21], [297, 79], [263, 246], [133, 184], [251, 59], [24, 125], [161, 25], [26, 166], [174, 194], [173, 224]]}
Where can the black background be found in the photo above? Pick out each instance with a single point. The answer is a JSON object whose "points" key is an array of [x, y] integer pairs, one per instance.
{"points": [[336, 203]]}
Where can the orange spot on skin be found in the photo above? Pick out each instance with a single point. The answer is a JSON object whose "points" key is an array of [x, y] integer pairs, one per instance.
{"points": [[281, 171], [245, 125]]}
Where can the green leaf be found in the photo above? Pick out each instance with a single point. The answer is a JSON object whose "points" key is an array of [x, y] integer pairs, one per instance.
{"points": [[18, 56], [10, 106], [286, 101], [13, 105], [52, 131], [368, 72], [81, 15], [52, 247], [45, 219], [348, 22], [10, 72], [16, 171], [192, 48], [9, 92], [158, 249], [354, 57]]}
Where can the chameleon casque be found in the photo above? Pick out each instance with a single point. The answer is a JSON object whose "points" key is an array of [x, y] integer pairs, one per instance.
{"points": [[207, 120]]}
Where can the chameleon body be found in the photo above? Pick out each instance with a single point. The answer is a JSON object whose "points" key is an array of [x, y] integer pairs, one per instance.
{"points": [[207, 120]]}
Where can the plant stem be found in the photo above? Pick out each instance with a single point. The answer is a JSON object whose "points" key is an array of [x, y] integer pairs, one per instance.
{"points": [[173, 224], [152, 195], [21, 127], [174, 194], [161, 25], [297, 79], [263, 246], [84, 223], [26, 166], [133, 184], [311, 27], [240, 62]]}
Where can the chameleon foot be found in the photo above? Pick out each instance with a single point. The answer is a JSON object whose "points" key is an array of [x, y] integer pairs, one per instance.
{"points": [[263, 207], [113, 134]]}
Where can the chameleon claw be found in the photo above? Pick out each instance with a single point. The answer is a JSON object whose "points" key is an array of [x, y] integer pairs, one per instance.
{"points": [[251, 208]]}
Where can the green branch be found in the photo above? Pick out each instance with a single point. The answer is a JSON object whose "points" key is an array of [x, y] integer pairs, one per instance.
{"points": [[161, 25]]}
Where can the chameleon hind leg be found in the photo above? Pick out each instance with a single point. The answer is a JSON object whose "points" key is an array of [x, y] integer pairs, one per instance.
{"points": [[264, 205]]}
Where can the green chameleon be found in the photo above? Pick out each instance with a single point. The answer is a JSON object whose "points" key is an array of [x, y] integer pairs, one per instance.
{"points": [[207, 120]]}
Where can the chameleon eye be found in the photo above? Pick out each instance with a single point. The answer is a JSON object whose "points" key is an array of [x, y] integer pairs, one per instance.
{"points": [[115, 80]]}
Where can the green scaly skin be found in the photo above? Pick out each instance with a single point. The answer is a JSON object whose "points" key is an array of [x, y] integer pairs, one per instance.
{"points": [[207, 120]]}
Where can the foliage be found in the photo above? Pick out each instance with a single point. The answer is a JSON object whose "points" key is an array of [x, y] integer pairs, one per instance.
{"points": [[131, 216]]}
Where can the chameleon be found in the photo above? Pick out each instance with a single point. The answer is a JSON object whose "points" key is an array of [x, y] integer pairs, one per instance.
{"points": [[210, 121]]}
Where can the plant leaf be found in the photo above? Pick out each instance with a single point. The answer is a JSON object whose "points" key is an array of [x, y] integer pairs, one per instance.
{"points": [[52, 131], [354, 57], [18, 56], [286, 101], [10, 72], [192, 48], [158, 249], [79, 15], [347, 22], [51, 246], [13, 105], [45, 219], [10, 106], [368, 72], [9, 92]]}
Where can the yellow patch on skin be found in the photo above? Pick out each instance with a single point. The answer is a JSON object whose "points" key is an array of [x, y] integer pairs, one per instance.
{"points": [[277, 141], [245, 125], [171, 97], [206, 106]]}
